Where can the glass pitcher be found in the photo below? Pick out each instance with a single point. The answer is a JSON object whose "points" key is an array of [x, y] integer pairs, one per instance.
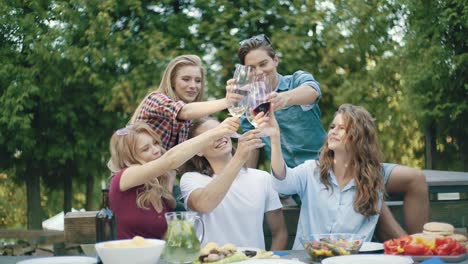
{"points": [[182, 242]]}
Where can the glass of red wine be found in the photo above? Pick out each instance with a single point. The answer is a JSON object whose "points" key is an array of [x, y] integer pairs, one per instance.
{"points": [[258, 98]]}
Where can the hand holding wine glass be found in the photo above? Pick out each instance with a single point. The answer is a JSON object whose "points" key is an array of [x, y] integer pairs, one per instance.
{"points": [[258, 98], [243, 80], [268, 124]]}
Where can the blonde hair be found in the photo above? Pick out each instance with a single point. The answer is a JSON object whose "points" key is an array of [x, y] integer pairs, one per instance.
{"points": [[167, 84], [363, 147], [123, 149]]}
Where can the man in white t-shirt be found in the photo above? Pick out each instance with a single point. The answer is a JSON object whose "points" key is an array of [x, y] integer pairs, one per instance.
{"points": [[232, 199], [238, 219]]}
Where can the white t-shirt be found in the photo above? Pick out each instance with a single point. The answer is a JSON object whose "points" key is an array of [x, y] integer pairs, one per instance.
{"points": [[238, 219]]}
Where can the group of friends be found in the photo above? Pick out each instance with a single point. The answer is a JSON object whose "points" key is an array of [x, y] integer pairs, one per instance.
{"points": [[338, 175]]}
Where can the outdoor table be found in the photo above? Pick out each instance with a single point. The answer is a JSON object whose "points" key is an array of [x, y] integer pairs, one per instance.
{"points": [[300, 255]]}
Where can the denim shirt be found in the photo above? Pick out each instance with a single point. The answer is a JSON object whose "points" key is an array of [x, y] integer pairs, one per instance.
{"points": [[302, 133]]}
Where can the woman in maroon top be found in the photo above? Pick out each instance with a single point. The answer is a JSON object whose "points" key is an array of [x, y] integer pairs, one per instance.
{"points": [[139, 190]]}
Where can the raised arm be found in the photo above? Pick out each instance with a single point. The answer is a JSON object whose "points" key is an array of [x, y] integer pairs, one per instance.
{"points": [[252, 161], [200, 109], [175, 157], [271, 129], [301, 95], [206, 199]]}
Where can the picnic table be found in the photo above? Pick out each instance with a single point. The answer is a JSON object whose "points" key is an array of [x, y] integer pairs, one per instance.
{"points": [[300, 255]]}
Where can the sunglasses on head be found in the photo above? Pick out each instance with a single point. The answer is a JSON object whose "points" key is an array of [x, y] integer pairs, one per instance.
{"points": [[258, 38]]}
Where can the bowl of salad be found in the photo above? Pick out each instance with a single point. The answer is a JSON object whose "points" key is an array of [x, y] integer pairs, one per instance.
{"points": [[321, 246]]}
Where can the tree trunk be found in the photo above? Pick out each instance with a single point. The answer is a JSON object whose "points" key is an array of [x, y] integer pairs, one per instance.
{"points": [[89, 192], [430, 146], [33, 193], [67, 186]]}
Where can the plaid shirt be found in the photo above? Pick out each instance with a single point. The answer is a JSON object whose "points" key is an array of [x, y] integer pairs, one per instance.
{"points": [[160, 112]]}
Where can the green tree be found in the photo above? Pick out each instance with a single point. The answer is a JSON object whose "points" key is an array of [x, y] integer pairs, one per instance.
{"points": [[73, 73], [436, 79]]}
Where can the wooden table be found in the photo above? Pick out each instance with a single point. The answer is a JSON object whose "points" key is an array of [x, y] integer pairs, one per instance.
{"points": [[35, 238], [300, 255]]}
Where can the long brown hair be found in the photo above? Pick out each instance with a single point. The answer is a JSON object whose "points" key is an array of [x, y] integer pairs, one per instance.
{"points": [[167, 84], [363, 147], [123, 148], [197, 163]]}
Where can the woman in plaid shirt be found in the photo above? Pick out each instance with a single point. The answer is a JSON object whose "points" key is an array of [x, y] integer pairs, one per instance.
{"points": [[170, 109]]}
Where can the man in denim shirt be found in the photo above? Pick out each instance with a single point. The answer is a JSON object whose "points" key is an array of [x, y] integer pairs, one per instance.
{"points": [[296, 100]]}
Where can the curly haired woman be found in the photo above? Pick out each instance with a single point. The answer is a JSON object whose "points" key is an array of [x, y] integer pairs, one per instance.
{"points": [[342, 191]]}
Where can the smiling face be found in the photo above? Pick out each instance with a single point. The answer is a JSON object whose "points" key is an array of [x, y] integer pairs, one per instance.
{"points": [[263, 64], [217, 148], [147, 148], [188, 83], [337, 134]]}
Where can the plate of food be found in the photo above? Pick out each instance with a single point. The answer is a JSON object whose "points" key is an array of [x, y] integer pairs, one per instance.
{"points": [[371, 247], [437, 240], [228, 253], [271, 261]]}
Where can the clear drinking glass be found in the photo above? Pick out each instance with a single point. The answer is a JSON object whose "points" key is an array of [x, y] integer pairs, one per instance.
{"points": [[243, 77], [258, 98]]}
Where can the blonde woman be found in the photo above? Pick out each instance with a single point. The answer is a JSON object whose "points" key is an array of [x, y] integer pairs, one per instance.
{"points": [[139, 191], [169, 109], [342, 191]]}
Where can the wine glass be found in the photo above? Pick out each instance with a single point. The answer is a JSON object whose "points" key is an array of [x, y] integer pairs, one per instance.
{"points": [[243, 79], [258, 99]]}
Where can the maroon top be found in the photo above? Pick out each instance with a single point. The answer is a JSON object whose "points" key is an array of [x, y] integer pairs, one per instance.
{"points": [[132, 220]]}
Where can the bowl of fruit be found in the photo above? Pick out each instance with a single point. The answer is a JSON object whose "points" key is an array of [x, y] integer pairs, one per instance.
{"points": [[321, 246]]}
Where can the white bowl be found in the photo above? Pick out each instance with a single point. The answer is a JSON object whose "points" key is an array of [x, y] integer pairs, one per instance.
{"points": [[123, 252]]}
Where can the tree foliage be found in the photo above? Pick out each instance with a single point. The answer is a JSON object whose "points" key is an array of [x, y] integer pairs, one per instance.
{"points": [[73, 72], [435, 72]]}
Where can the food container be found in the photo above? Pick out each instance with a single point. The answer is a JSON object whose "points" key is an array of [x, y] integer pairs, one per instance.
{"points": [[136, 250], [321, 246]]}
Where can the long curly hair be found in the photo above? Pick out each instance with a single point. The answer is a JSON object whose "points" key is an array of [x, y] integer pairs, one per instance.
{"points": [[123, 149], [363, 148], [197, 163]]}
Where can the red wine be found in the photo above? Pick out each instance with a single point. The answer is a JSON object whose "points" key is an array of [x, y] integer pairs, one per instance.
{"points": [[263, 107]]}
